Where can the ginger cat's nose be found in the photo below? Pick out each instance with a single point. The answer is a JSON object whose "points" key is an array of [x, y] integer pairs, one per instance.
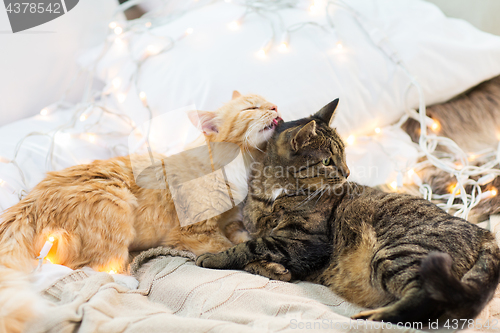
{"points": [[274, 108]]}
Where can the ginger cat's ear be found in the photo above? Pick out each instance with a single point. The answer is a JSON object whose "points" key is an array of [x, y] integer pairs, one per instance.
{"points": [[236, 94], [328, 111], [303, 136], [204, 120]]}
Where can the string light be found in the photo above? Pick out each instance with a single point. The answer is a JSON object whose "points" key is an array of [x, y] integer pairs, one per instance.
{"points": [[486, 179], [494, 191], [44, 112], [142, 96], [121, 97], [113, 25], [435, 126], [189, 31], [261, 53], [312, 7], [394, 185], [453, 188], [351, 139], [283, 47], [91, 137], [235, 25], [377, 130], [116, 82], [112, 272], [45, 250], [340, 46], [147, 24], [83, 117], [118, 30]]}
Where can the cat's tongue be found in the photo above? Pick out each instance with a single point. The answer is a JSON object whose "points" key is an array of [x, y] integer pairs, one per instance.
{"points": [[276, 120]]}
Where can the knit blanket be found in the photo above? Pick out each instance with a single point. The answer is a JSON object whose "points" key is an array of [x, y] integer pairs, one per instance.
{"points": [[175, 295]]}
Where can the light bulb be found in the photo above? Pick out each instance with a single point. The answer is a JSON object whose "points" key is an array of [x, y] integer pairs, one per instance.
{"points": [[147, 24], [340, 46], [351, 139], [91, 137], [121, 97], [261, 53], [452, 188], [435, 126], [189, 31], [116, 82], [112, 272], [51, 239], [377, 130], [411, 172], [234, 25], [486, 179], [118, 30], [494, 191], [312, 8], [142, 96], [44, 112], [48, 260], [394, 185], [113, 25], [283, 47], [83, 117]]}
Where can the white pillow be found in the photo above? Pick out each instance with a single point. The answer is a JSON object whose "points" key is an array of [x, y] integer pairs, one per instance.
{"points": [[447, 56], [38, 65]]}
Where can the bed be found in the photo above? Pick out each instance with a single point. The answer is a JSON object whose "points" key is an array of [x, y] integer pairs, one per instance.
{"points": [[383, 60]]}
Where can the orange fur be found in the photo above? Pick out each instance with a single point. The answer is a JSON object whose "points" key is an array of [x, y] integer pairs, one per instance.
{"points": [[98, 213]]}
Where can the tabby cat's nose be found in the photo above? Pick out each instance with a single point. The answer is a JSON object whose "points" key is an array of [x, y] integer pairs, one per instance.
{"points": [[346, 172]]}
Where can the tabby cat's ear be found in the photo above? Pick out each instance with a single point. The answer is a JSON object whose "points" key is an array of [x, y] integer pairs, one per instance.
{"points": [[236, 94], [327, 112], [304, 135], [204, 120]]}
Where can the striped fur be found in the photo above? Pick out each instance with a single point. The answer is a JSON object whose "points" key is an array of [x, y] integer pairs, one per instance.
{"points": [[397, 254]]}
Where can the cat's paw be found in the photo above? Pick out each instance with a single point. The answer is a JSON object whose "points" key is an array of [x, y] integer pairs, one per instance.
{"points": [[378, 314], [211, 260], [270, 270]]}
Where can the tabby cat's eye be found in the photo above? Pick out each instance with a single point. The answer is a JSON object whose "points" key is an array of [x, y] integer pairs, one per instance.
{"points": [[327, 161]]}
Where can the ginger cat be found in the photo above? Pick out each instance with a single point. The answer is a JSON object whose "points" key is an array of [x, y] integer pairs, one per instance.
{"points": [[97, 212]]}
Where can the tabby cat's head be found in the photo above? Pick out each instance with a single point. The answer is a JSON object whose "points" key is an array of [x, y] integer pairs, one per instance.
{"points": [[310, 151], [247, 120]]}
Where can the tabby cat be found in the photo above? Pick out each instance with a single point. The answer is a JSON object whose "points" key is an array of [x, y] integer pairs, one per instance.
{"points": [[97, 212], [399, 255]]}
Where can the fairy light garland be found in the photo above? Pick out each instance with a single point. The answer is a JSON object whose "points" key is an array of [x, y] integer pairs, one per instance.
{"points": [[121, 31]]}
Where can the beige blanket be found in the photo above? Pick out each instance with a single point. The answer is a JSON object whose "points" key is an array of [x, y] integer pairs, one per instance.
{"points": [[177, 296]]}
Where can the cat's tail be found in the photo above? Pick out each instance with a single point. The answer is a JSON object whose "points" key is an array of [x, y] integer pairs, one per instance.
{"points": [[465, 298], [19, 303]]}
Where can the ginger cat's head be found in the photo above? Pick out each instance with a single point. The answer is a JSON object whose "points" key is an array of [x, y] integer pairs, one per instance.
{"points": [[247, 120]]}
